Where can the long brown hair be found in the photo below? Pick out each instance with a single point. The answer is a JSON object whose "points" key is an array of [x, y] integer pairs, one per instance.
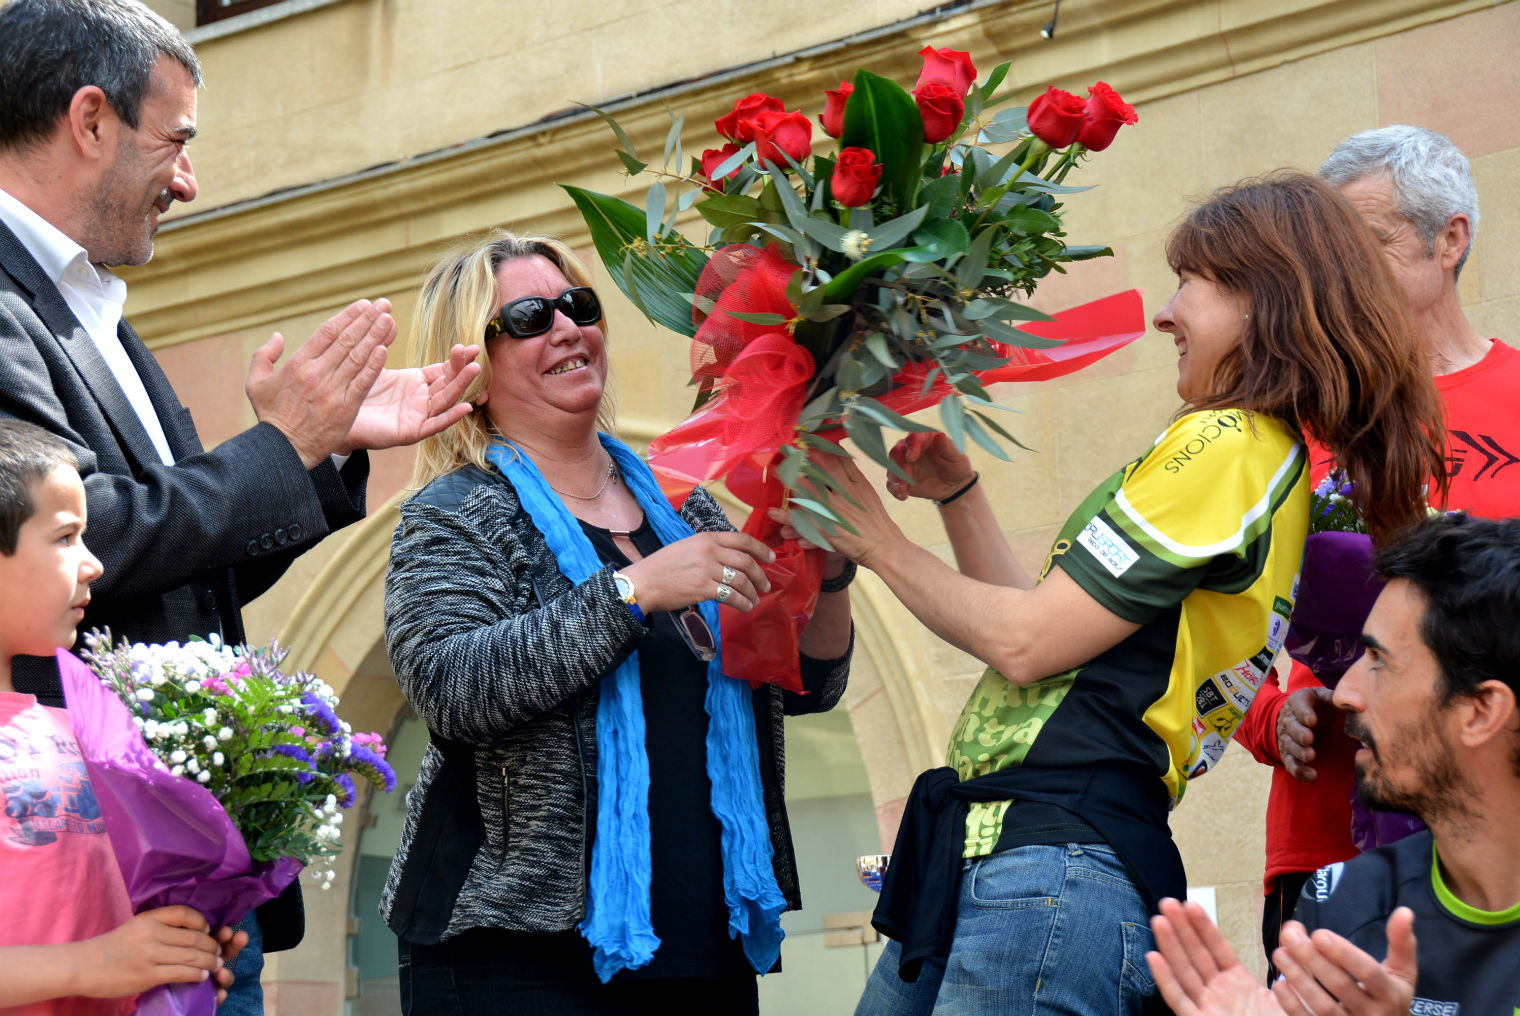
{"points": [[1329, 347]]}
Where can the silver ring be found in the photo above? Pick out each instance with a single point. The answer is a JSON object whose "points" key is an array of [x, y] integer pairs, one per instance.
{"points": [[729, 575], [724, 592]]}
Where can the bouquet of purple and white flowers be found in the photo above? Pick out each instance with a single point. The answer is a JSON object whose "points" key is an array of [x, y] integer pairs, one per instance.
{"points": [[268, 745]]}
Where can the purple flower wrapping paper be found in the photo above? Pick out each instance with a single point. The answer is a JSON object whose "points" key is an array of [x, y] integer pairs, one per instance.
{"points": [[172, 839]]}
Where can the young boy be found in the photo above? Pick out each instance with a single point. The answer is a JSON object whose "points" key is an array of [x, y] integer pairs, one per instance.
{"points": [[69, 944]]}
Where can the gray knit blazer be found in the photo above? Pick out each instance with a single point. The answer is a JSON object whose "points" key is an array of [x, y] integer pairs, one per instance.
{"points": [[498, 653]]}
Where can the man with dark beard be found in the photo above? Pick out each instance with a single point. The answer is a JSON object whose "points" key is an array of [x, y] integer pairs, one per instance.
{"points": [[1433, 702]]}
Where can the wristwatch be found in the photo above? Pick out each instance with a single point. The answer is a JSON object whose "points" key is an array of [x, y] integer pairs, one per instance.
{"points": [[625, 590]]}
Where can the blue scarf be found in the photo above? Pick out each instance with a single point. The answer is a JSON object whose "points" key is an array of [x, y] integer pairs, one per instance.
{"points": [[618, 924]]}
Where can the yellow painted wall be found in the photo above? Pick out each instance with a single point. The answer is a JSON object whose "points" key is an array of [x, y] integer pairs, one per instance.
{"points": [[1224, 89]]}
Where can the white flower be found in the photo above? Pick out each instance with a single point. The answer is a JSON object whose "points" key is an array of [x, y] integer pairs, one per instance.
{"points": [[191, 687], [855, 244], [218, 759], [176, 756], [177, 771], [209, 716], [209, 742], [145, 694], [182, 728], [141, 723], [224, 735], [194, 765], [204, 777]]}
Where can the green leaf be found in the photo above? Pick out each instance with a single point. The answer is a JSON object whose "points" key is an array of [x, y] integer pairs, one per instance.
{"points": [[954, 418], [724, 210], [817, 508], [810, 530], [733, 162], [1031, 220], [1010, 336], [1086, 252], [658, 279], [673, 139], [654, 210], [889, 234], [942, 237], [994, 79], [882, 116], [981, 437], [842, 286], [888, 417], [617, 130], [973, 266], [1006, 126], [634, 166], [877, 345], [781, 188], [759, 319]]}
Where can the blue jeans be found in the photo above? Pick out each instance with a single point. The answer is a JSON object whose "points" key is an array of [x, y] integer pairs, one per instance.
{"points": [[246, 996], [1038, 929]]}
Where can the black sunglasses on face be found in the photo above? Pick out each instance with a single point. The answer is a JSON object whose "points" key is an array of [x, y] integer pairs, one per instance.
{"points": [[534, 315]]}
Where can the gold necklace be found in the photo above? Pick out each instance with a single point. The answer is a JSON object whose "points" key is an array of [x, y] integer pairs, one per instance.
{"points": [[611, 472]]}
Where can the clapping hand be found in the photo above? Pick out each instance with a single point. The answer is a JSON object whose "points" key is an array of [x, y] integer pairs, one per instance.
{"points": [[404, 406], [1323, 974]]}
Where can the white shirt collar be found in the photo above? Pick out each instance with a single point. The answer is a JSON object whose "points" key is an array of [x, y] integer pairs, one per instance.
{"points": [[55, 251]]}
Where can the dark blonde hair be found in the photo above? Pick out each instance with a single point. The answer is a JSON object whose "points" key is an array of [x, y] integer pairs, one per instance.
{"points": [[1329, 347], [458, 297]]}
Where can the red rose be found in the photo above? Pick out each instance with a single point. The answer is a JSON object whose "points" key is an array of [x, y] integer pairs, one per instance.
{"points": [[948, 67], [1106, 113], [777, 132], [856, 175], [712, 158], [739, 125], [1056, 117], [942, 109], [833, 113]]}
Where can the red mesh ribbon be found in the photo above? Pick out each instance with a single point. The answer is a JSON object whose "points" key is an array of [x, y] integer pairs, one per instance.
{"points": [[762, 646], [737, 278]]}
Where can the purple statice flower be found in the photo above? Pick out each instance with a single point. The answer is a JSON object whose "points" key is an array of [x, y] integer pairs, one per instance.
{"points": [[322, 713], [374, 742], [347, 793], [300, 754], [371, 766]]}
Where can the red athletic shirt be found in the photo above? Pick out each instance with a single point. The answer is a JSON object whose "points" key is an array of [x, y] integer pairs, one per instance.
{"points": [[1309, 824]]}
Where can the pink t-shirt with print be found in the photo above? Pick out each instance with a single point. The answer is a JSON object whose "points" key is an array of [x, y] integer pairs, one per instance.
{"points": [[58, 878]]}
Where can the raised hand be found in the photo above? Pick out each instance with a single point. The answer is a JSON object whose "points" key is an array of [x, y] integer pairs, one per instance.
{"points": [[1197, 971], [315, 396], [873, 527], [691, 570], [1296, 724], [168, 945], [405, 406], [937, 468], [1325, 975]]}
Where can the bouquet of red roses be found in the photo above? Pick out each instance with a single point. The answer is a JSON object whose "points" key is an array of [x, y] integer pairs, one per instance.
{"points": [[838, 292]]}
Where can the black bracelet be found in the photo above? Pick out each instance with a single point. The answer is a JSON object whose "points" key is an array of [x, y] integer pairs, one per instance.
{"points": [[838, 583], [972, 483]]}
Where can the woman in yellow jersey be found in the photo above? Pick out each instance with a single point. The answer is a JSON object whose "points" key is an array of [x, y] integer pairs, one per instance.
{"points": [[1027, 868]]}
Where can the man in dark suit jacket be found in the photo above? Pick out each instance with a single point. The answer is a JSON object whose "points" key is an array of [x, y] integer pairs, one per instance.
{"points": [[97, 103]]}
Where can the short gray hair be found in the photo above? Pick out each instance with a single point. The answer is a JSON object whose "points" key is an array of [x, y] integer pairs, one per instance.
{"points": [[50, 49], [1432, 181]]}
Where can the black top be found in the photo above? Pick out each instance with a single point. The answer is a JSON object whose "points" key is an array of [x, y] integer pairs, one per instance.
{"points": [[1467, 957], [686, 891]]}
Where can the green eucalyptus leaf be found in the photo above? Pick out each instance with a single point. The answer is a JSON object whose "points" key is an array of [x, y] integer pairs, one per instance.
{"points": [[882, 116], [810, 529], [673, 140], [970, 269], [816, 508], [994, 79], [954, 418], [889, 234], [654, 210], [781, 188], [616, 130], [1032, 181], [826, 311], [825, 231], [888, 417], [1031, 220], [733, 162], [876, 343], [634, 166], [981, 437], [1011, 336], [842, 286]]}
